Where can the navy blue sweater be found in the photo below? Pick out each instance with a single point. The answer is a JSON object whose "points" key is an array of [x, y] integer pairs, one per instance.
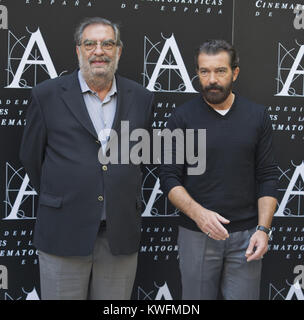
{"points": [[240, 165]]}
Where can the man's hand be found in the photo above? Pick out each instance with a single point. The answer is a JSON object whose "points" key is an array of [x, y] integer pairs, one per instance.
{"points": [[210, 223], [259, 242]]}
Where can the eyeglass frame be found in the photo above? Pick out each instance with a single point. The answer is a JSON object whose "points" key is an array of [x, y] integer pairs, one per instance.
{"points": [[96, 42]]}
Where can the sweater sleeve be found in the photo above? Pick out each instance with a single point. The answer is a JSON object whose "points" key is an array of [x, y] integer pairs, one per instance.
{"points": [[171, 175], [266, 166]]}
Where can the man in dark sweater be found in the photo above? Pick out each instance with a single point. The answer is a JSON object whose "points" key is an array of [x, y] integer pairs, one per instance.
{"points": [[226, 212]]}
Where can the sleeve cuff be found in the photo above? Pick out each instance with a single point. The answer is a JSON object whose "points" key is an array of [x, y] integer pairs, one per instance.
{"points": [[268, 189], [170, 183]]}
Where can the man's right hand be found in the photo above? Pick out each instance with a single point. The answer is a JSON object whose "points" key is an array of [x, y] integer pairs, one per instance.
{"points": [[210, 223]]}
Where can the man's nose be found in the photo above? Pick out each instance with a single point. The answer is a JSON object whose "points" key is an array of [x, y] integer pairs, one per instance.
{"points": [[212, 78], [99, 50]]}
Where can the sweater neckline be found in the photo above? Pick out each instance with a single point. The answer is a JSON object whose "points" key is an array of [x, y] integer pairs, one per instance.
{"points": [[227, 115]]}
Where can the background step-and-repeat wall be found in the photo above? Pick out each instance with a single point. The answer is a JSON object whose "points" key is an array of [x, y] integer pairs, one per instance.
{"points": [[159, 36]]}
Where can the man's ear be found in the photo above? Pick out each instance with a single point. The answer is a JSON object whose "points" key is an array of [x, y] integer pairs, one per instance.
{"points": [[236, 72], [119, 51], [77, 51]]}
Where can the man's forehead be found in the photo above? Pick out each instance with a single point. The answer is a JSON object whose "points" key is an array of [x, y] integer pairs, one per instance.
{"points": [[220, 58], [98, 29]]}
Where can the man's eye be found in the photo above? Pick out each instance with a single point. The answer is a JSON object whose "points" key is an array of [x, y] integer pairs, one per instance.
{"points": [[89, 44], [107, 45], [222, 71]]}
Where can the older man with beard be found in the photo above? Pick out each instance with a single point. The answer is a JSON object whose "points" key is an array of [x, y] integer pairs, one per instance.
{"points": [[226, 211], [89, 214]]}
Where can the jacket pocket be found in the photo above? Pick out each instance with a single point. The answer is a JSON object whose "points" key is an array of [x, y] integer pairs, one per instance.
{"points": [[50, 200]]}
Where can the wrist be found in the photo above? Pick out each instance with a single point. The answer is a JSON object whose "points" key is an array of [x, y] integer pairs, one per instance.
{"points": [[262, 228], [196, 211]]}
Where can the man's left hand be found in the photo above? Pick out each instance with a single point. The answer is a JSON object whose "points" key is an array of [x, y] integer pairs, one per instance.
{"points": [[259, 242]]}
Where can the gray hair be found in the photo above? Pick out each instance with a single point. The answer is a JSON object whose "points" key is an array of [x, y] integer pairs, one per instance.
{"points": [[96, 20]]}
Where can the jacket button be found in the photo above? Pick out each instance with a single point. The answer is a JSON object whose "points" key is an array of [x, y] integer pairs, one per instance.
{"points": [[97, 141], [100, 198], [104, 168]]}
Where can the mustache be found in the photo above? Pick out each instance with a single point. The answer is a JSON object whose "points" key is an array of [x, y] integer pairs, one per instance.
{"points": [[104, 59], [213, 87]]}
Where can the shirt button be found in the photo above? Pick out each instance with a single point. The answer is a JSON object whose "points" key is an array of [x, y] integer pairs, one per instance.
{"points": [[100, 198], [104, 168]]}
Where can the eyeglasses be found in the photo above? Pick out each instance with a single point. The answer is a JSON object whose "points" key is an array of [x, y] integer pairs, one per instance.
{"points": [[90, 45]]}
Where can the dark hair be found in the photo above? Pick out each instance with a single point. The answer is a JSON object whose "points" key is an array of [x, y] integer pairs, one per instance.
{"points": [[212, 47], [96, 20]]}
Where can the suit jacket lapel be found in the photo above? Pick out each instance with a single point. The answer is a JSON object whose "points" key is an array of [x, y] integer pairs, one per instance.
{"points": [[124, 102], [73, 98]]}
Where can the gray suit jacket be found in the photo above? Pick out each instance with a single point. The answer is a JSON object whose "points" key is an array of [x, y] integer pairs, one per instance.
{"points": [[59, 152]]}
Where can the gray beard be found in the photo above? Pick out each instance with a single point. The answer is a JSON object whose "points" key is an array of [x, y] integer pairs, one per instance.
{"points": [[97, 81]]}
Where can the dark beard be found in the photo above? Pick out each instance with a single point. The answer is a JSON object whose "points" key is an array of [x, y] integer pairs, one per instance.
{"points": [[217, 97]]}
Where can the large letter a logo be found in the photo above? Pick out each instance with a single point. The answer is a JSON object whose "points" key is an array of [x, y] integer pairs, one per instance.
{"points": [[293, 190], [166, 68], [29, 59]]}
